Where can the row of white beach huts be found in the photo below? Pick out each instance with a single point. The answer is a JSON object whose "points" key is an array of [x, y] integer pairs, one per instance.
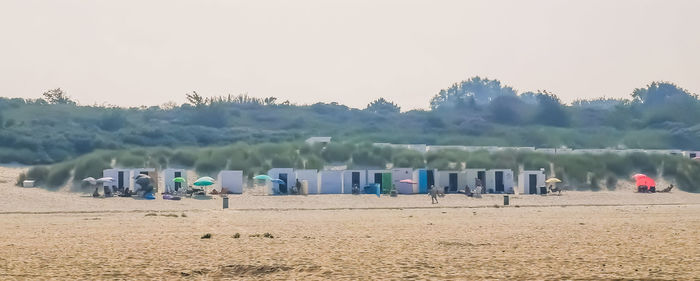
{"points": [[343, 181]]}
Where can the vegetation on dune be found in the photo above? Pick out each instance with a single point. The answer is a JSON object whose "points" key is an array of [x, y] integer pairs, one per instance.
{"points": [[209, 134], [582, 171], [477, 111]]}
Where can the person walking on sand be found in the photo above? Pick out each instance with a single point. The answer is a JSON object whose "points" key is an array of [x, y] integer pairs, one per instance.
{"points": [[433, 194]]}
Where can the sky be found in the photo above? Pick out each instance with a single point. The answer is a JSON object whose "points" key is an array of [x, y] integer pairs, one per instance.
{"points": [[149, 52]]}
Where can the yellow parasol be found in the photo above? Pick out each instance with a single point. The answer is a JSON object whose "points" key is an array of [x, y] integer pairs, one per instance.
{"points": [[552, 180]]}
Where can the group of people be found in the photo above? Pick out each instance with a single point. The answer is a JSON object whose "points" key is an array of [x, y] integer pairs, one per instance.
{"points": [[476, 192], [111, 191], [646, 189]]}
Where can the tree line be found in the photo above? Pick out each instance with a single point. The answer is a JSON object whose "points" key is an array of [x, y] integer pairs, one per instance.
{"points": [[477, 111]]}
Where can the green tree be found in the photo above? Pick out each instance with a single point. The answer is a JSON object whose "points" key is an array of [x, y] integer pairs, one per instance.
{"points": [[57, 96], [508, 110], [113, 121], [551, 112], [659, 93], [382, 105], [482, 90], [195, 99]]}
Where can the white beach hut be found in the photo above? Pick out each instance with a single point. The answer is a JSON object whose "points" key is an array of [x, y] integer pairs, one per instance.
{"points": [[399, 174], [352, 178], [169, 175], [122, 178], [425, 179], [331, 182], [231, 181], [691, 154], [310, 177], [286, 175], [377, 176], [499, 181], [151, 172], [531, 182], [472, 175], [453, 180]]}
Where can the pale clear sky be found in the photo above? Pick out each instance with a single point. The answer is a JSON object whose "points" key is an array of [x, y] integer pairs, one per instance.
{"points": [[134, 52]]}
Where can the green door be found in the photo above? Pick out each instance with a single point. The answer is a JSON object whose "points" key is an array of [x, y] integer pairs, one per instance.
{"points": [[386, 182]]}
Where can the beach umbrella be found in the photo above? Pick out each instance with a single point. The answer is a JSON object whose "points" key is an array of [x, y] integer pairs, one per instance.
{"points": [[408, 181], [179, 179], [205, 181], [143, 181], [90, 180], [552, 180], [278, 181], [638, 175], [262, 177], [649, 182], [142, 176], [105, 179]]}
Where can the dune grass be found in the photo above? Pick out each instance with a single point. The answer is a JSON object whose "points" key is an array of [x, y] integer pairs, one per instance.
{"points": [[583, 171]]}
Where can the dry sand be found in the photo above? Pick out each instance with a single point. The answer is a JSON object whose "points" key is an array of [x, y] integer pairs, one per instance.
{"points": [[579, 235]]}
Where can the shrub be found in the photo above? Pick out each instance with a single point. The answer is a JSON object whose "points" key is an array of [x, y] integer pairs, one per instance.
{"points": [[58, 175], [208, 166], [185, 158], [131, 160], [90, 166], [642, 163], [281, 161], [38, 174], [313, 162], [408, 158], [337, 152], [618, 165], [611, 182], [20, 179], [368, 158]]}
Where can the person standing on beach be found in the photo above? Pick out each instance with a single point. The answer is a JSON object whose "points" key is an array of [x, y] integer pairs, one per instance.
{"points": [[479, 185], [297, 187], [433, 195]]}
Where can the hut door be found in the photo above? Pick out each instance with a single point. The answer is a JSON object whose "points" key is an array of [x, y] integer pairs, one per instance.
{"points": [[499, 182], [532, 184], [283, 187], [693, 155], [453, 182], [378, 178], [386, 182], [120, 179], [481, 175], [431, 179], [422, 181], [178, 185], [356, 179]]}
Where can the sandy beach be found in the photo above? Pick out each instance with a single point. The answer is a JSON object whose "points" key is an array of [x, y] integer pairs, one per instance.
{"points": [[579, 235]]}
